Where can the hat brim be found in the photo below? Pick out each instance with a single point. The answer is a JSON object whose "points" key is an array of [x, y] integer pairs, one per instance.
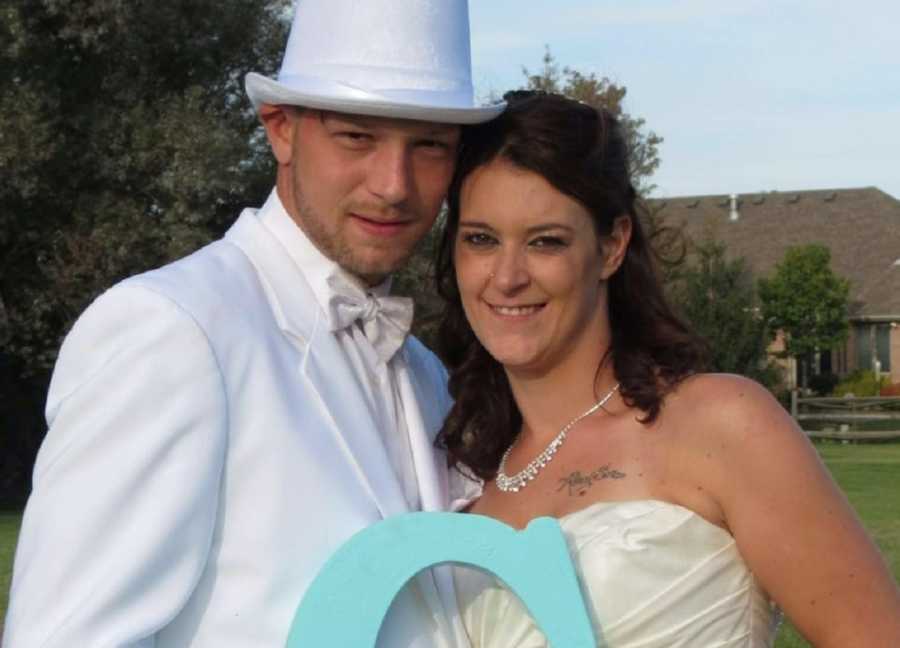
{"points": [[262, 89]]}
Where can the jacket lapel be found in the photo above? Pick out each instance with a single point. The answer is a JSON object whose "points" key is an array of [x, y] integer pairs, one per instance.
{"points": [[323, 366], [423, 419], [345, 406]]}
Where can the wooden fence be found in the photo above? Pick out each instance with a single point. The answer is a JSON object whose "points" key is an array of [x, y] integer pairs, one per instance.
{"points": [[847, 417]]}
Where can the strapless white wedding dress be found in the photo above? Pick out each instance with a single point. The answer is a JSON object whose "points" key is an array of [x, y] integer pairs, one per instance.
{"points": [[653, 574]]}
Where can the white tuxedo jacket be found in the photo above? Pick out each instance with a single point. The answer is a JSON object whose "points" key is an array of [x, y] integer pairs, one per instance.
{"points": [[208, 450]]}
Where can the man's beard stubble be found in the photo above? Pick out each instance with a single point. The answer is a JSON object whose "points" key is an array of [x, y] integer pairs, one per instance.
{"points": [[336, 248]]}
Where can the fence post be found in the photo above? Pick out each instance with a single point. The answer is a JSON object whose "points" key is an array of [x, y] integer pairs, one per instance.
{"points": [[794, 405]]}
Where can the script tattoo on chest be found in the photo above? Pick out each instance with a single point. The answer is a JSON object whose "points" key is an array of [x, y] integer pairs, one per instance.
{"points": [[579, 483]]}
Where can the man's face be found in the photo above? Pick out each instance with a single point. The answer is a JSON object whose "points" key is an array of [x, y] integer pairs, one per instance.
{"points": [[365, 190]]}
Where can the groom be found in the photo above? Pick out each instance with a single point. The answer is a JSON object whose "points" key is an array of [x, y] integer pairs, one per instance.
{"points": [[218, 427]]}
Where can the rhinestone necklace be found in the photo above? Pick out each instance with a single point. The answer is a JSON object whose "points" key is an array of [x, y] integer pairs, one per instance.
{"points": [[512, 484]]}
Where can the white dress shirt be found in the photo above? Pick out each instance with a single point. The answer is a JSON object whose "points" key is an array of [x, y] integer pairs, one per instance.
{"points": [[377, 379]]}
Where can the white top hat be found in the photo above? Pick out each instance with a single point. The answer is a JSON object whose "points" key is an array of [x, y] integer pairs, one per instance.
{"points": [[407, 59]]}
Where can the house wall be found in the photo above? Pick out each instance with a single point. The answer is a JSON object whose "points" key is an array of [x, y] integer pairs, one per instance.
{"points": [[844, 359], [895, 353], [840, 357], [788, 366], [850, 346]]}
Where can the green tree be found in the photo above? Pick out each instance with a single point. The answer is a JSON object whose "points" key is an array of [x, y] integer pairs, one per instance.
{"points": [[600, 92], [416, 280], [808, 302], [125, 142], [717, 296]]}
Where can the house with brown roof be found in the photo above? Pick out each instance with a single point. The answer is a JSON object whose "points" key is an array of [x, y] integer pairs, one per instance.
{"points": [[861, 227]]}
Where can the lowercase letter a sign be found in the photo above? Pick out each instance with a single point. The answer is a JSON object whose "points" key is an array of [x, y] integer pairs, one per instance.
{"points": [[346, 604]]}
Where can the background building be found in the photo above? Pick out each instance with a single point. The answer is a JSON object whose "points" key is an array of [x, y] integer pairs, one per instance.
{"points": [[861, 227]]}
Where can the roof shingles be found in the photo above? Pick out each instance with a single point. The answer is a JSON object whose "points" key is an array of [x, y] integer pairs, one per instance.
{"points": [[861, 227]]}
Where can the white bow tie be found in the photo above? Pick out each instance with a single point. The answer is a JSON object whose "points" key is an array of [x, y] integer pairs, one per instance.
{"points": [[385, 320]]}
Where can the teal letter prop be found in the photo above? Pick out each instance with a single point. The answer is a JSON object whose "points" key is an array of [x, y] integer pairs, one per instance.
{"points": [[361, 579]]}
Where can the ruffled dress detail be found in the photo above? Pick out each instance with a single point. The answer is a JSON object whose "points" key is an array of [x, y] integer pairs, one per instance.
{"points": [[654, 575]]}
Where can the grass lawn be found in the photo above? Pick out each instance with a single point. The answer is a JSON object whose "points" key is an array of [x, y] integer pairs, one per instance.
{"points": [[9, 529], [870, 476], [868, 473]]}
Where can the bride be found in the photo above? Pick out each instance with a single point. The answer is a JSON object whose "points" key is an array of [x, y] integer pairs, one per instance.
{"points": [[691, 502]]}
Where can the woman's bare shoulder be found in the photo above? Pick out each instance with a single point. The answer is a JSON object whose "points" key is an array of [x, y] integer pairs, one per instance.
{"points": [[718, 387], [733, 420], [728, 403], [769, 483]]}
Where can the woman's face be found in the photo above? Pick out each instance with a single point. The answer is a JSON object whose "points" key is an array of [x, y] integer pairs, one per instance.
{"points": [[531, 269]]}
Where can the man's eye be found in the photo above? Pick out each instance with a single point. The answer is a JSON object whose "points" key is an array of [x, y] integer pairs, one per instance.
{"points": [[434, 143], [434, 147], [354, 138]]}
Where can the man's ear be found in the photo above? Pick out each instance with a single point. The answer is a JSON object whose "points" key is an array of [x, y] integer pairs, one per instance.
{"points": [[280, 123], [615, 245]]}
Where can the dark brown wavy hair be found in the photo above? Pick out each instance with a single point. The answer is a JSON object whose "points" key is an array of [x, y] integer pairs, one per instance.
{"points": [[582, 152]]}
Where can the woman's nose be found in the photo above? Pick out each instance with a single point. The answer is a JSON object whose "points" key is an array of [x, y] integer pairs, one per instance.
{"points": [[510, 271]]}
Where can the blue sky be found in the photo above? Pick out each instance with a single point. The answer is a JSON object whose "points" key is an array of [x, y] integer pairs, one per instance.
{"points": [[749, 95]]}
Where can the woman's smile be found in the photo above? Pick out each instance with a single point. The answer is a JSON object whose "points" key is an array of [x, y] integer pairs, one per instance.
{"points": [[514, 311]]}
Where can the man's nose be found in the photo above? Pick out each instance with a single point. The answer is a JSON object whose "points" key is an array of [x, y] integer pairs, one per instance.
{"points": [[390, 173]]}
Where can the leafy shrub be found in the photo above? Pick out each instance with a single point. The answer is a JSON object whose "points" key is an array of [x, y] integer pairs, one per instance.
{"points": [[891, 390], [861, 383], [824, 383]]}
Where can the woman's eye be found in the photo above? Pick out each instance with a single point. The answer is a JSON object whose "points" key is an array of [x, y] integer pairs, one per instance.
{"points": [[548, 242], [478, 239]]}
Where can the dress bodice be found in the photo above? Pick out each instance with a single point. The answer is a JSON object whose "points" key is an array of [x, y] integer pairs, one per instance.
{"points": [[653, 574]]}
